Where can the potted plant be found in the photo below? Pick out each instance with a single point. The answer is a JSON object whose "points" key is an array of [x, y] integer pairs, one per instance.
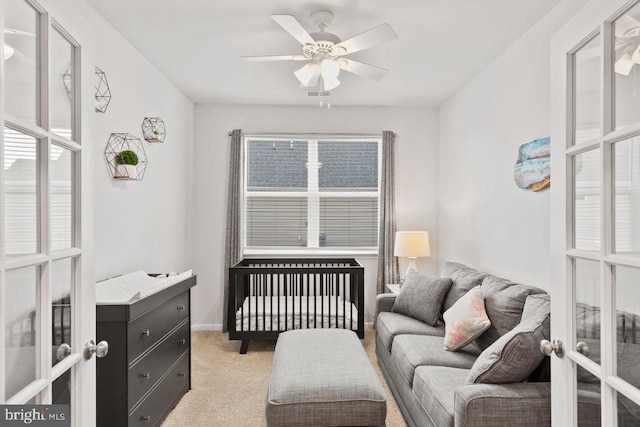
{"points": [[154, 138], [127, 161]]}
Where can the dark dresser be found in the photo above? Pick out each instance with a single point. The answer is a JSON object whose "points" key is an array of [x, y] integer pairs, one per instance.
{"points": [[148, 367]]}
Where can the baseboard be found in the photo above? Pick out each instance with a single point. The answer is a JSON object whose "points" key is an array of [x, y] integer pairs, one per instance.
{"points": [[206, 327], [218, 326]]}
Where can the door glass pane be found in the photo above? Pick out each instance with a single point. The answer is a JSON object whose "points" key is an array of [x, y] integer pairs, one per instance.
{"points": [[586, 199], [627, 68], [61, 284], [62, 168], [21, 59], [626, 160], [61, 390], [587, 286], [21, 328], [588, 84], [61, 85], [627, 281], [628, 412], [588, 401], [21, 193]]}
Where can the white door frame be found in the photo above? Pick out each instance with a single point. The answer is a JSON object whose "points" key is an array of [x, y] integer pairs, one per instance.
{"points": [[83, 293], [595, 17]]}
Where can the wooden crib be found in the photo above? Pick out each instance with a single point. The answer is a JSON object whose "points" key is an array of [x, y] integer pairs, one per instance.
{"points": [[269, 296]]}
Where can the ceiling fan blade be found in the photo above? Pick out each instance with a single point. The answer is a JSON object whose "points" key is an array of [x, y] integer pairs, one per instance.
{"points": [[362, 69], [274, 58], [374, 37], [293, 27]]}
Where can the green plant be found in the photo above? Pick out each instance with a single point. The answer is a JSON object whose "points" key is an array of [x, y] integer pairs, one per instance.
{"points": [[127, 157]]}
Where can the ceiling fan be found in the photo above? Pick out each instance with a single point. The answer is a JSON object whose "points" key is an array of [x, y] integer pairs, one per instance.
{"points": [[325, 51]]}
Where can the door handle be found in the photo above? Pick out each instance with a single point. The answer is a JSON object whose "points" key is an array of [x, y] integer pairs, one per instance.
{"points": [[582, 348], [557, 347], [63, 351], [100, 350]]}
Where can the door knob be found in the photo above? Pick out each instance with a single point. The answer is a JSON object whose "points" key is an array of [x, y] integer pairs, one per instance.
{"points": [[582, 348], [557, 347], [63, 351], [100, 350]]}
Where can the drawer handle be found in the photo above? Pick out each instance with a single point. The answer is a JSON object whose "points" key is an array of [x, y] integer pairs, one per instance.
{"points": [[182, 374], [146, 418], [146, 333], [145, 375], [182, 341], [181, 307]]}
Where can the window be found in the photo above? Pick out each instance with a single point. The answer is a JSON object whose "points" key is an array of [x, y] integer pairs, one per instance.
{"points": [[311, 194]]}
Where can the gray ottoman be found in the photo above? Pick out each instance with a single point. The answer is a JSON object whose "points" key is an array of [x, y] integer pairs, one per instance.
{"points": [[322, 377]]}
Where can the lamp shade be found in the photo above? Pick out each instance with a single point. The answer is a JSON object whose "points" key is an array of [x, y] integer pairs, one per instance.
{"points": [[412, 244]]}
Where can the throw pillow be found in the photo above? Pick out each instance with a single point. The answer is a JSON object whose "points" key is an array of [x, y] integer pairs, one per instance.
{"points": [[421, 296], [465, 320], [504, 302], [515, 355], [464, 279]]}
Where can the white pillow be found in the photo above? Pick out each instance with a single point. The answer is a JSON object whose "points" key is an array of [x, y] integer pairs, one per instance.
{"points": [[465, 320]]}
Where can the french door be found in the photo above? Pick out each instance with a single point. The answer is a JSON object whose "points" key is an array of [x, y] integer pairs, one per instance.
{"points": [[44, 293], [595, 226]]}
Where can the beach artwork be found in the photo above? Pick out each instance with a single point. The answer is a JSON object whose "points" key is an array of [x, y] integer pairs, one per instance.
{"points": [[532, 171]]}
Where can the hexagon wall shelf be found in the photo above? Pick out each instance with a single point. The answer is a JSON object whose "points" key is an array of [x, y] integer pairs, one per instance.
{"points": [[153, 129], [103, 92], [119, 142]]}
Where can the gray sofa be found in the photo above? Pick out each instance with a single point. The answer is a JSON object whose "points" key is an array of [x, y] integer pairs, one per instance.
{"points": [[430, 384]]}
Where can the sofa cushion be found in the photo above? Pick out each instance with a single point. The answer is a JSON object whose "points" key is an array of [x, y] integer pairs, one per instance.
{"points": [[435, 387], [465, 320], [504, 301], [515, 355], [411, 351], [464, 279], [421, 296], [389, 325]]}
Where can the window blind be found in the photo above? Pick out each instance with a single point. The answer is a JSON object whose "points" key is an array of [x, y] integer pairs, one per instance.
{"points": [[276, 221], [348, 222]]}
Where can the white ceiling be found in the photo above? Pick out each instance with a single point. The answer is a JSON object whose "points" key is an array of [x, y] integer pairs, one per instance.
{"points": [[441, 45]]}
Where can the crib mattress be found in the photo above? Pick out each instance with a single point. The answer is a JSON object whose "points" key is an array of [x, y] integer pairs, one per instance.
{"points": [[257, 314]]}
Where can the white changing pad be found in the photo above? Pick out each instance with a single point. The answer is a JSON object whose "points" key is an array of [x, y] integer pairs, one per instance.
{"points": [[134, 286]]}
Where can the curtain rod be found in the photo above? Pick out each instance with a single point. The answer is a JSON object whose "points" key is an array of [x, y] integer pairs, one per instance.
{"points": [[280, 134]]}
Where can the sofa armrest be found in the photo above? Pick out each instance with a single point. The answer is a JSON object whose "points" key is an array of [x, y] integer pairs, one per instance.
{"points": [[497, 405], [384, 302]]}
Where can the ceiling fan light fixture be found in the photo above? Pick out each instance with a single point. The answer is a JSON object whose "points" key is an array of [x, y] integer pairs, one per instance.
{"points": [[7, 52], [636, 56], [308, 75], [330, 83], [624, 64], [330, 69]]}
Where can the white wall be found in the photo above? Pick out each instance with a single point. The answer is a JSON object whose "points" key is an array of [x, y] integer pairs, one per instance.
{"points": [[416, 180], [142, 224], [485, 221]]}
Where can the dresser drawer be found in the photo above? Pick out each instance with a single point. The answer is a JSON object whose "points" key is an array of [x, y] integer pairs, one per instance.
{"points": [[149, 328], [161, 400], [148, 370]]}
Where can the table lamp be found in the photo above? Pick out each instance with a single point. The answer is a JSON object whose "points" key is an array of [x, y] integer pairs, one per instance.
{"points": [[412, 245]]}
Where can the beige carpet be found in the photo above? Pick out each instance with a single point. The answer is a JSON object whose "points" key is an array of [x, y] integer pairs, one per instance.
{"points": [[229, 389]]}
